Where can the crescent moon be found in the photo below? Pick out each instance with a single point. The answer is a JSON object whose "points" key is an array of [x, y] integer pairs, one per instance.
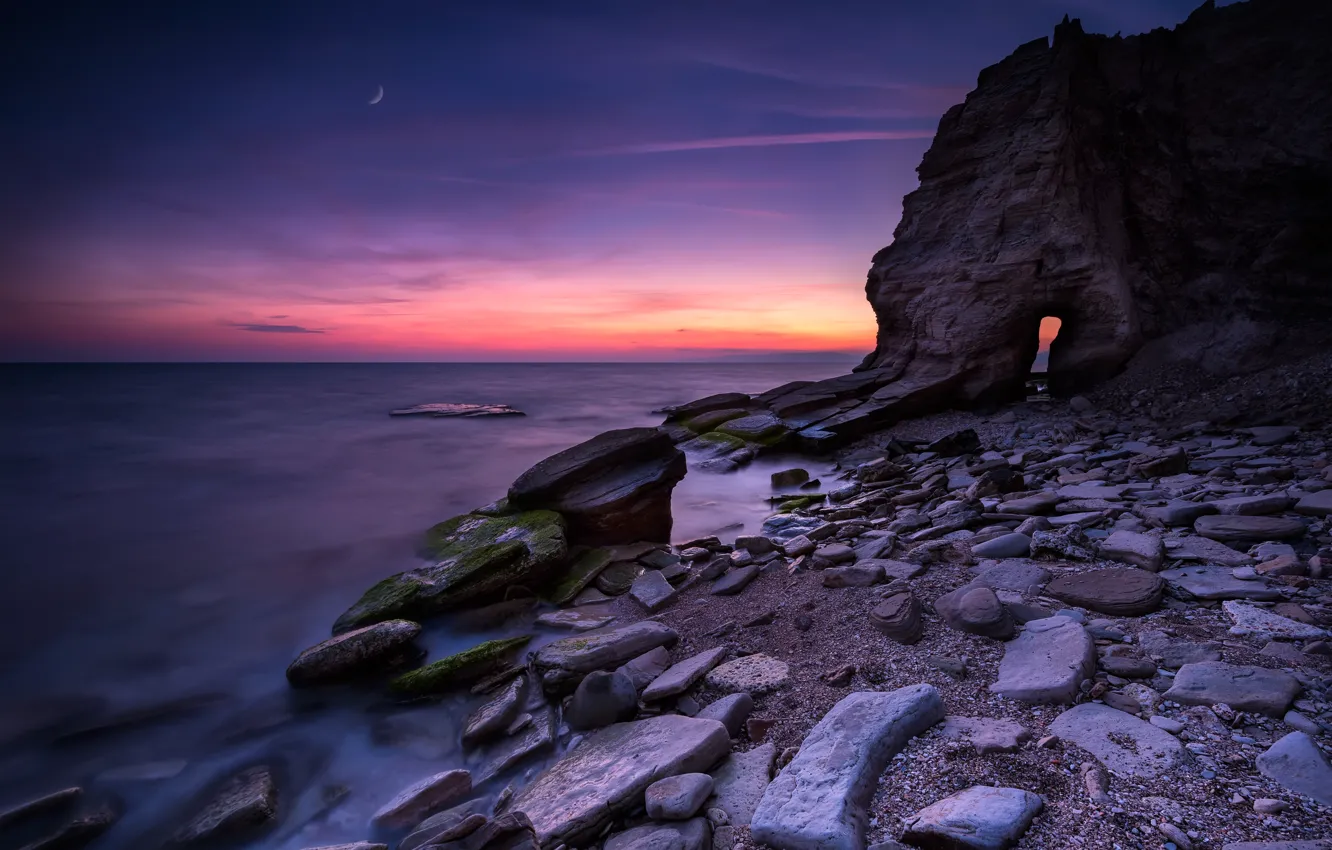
{"points": [[379, 95]]}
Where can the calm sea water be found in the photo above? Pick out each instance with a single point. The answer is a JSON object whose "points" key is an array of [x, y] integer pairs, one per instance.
{"points": [[174, 534]]}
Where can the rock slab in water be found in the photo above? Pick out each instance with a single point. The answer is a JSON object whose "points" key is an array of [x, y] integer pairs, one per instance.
{"points": [[245, 804], [562, 664], [369, 649], [819, 801], [977, 818], [1047, 662], [682, 676], [457, 409], [1123, 743], [606, 776], [1242, 688], [477, 558], [495, 715], [613, 488], [422, 799], [1300, 766]]}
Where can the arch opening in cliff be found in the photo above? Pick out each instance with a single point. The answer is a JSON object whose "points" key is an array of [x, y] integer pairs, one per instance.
{"points": [[1037, 378]]}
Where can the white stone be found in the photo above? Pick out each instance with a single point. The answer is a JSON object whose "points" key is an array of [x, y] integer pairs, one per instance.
{"points": [[1123, 743], [1250, 620]]}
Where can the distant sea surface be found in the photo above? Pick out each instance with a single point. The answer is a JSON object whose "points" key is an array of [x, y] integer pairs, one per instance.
{"points": [[173, 532]]}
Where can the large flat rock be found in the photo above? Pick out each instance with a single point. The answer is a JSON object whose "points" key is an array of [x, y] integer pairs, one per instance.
{"points": [[1117, 591], [739, 783], [681, 677], [1194, 548], [1123, 743], [564, 663], [1252, 620], [1296, 762], [1216, 583], [1227, 528], [605, 776], [976, 818], [819, 801], [1047, 662], [1242, 688]]}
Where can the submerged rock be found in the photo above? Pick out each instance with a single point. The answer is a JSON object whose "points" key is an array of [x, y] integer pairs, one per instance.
{"points": [[457, 670], [370, 649], [613, 488], [478, 558], [242, 806]]}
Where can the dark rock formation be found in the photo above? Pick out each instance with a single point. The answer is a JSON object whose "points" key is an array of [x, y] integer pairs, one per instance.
{"points": [[613, 488], [1130, 187]]}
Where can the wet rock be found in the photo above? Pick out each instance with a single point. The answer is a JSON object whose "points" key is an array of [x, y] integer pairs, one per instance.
{"points": [[753, 674], [981, 817], [1226, 528], [562, 664], [47, 805], [618, 578], [492, 718], [526, 739], [1140, 550], [613, 488], [422, 799], [684, 675], [460, 669], [855, 575], [1069, 543], [986, 735], [646, 667], [976, 610], [735, 581], [652, 591], [740, 782], [1004, 546], [693, 834], [730, 710], [1117, 591], [789, 478], [1242, 688], [79, 832], [606, 776], [574, 620], [1124, 744], [1299, 765], [374, 648], [708, 404], [581, 573], [821, 798], [1216, 583], [602, 699], [898, 617], [1251, 620], [678, 797], [1017, 576], [457, 822], [1047, 662], [476, 559], [243, 806]]}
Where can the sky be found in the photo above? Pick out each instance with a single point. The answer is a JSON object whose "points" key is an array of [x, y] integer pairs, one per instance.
{"points": [[581, 180]]}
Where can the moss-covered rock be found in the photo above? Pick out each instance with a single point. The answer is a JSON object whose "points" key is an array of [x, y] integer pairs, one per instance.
{"points": [[796, 503], [581, 573], [705, 422], [477, 558], [762, 428], [457, 670]]}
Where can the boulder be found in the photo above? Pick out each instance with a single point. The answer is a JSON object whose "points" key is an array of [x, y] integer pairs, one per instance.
{"points": [[693, 834], [677, 797], [1224, 528], [820, 799], [369, 649], [789, 478], [1209, 583], [684, 675], [978, 818], [422, 799], [976, 610], [1126, 745], [602, 699], [613, 488], [740, 782], [1047, 662], [753, 674], [986, 735], [460, 669], [562, 664], [606, 776], [1242, 688], [898, 617], [1117, 591], [477, 559], [1299, 765], [1129, 547], [244, 805]]}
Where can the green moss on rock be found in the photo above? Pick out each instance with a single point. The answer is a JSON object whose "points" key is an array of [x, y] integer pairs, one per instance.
{"points": [[705, 422], [460, 669], [581, 572]]}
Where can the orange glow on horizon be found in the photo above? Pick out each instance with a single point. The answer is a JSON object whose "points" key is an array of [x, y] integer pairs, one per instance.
{"points": [[1049, 330]]}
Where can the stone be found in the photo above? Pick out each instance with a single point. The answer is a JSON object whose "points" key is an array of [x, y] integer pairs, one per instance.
{"points": [[856, 575], [798, 545], [695, 834], [1004, 546], [820, 800], [422, 799], [1272, 435], [1128, 668], [1299, 765], [789, 478], [762, 428], [476, 559], [977, 818], [1117, 591], [574, 620], [1242, 688], [1265, 503], [976, 610], [730, 710], [720, 401], [835, 553], [1209, 583], [1279, 845], [1018, 576], [1039, 503], [652, 591], [735, 580], [492, 718], [1174, 727], [986, 735], [606, 776], [1140, 550], [369, 649], [1047, 662], [1195, 548], [677, 797], [1223, 528], [898, 617], [1069, 543], [1176, 652], [645, 668], [1177, 513], [459, 669], [895, 570], [741, 780], [602, 699], [525, 740], [459, 821], [1126, 745], [682, 676], [618, 578], [613, 488], [243, 806], [563, 663], [81, 831], [1315, 504], [753, 674], [581, 573], [1251, 620], [39, 808]]}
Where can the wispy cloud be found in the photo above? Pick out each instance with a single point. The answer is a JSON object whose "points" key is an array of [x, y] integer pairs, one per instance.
{"points": [[274, 329], [762, 141]]}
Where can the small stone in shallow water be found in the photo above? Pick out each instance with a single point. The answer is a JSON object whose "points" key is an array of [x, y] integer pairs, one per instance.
{"points": [[453, 409]]}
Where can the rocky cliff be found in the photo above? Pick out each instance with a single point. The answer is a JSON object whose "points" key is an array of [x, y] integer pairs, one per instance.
{"points": [[1129, 186]]}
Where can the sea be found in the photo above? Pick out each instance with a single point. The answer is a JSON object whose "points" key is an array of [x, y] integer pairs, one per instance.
{"points": [[172, 535]]}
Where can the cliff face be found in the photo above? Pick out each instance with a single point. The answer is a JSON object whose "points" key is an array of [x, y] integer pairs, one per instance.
{"points": [[1130, 186]]}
